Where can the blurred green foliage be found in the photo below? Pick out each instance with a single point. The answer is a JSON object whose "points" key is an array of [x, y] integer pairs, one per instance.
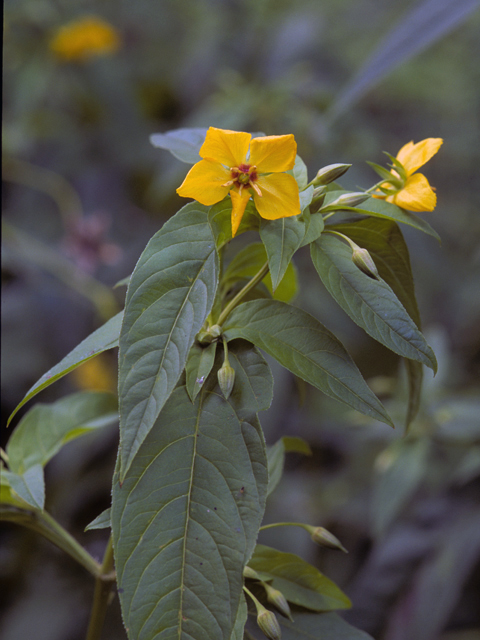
{"points": [[84, 190]]}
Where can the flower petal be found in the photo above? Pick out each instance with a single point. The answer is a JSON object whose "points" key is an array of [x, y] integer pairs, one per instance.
{"points": [[225, 146], [273, 153], [239, 202], [417, 195], [414, 156], [204, 182], [280, 198]]}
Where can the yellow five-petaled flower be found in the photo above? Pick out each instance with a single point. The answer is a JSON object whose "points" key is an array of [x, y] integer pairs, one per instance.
{"points": [[411, 190], [234, 163]]}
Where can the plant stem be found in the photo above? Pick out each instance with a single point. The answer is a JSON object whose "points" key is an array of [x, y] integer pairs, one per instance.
{"points": [[48, 527], [282, 524], [242, 293], [103, 588]]}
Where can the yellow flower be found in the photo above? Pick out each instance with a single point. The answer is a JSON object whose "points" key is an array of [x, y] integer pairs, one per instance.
{"points": [[411, 190], [85, 38], [234, 163]]}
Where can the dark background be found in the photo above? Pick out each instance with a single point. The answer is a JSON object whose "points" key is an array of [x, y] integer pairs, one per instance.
{"points": [[84, 190]]}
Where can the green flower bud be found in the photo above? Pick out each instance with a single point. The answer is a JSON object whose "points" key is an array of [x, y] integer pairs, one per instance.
{"points": [[276, 597], [204, 337], [226, 378], [349, 200], [250, 573], [363, 260], [268, 623], [324, 538], [318, 196], [330, 173], [215, 330]]}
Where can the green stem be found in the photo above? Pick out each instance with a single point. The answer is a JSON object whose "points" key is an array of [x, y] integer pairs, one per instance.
{"points": [[282, 524], [352, 244], [101, 597], [242, 293], [48, 527]]}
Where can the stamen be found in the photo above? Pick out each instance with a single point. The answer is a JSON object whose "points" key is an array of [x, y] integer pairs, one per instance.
{"points": [[257, 189], [229, 183]]}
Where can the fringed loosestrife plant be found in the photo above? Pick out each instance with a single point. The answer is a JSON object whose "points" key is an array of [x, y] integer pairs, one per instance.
{"points": [[193, 471]]}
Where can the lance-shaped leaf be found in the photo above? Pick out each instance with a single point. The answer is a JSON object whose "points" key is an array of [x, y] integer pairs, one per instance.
{"points": [[104, 338], [381, 209], [300, 582], [308, 349], [369, 302], [186, 517], [47, 427], [199, 364], [248, 262], [385, 243], [220, 219], [319, 626], [242, 614], [281, 238], [171, 292], [184, 144], [29, 486]]}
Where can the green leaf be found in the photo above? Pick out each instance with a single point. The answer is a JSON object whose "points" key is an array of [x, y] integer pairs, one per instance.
{"points": [[382, 172], [314, 226], [43, 431], [319, 626], [385, 242], [242, 614], [306, 197], [381, 209], [307, 348], [184, 144], [248, 262], [220, 220], [300, 582], [281, 238], [186, 517], [102, 521], [370, 303], [299, 172], [170, 294], [199, 364], [29, 486], [276, 457], [106, 337]]}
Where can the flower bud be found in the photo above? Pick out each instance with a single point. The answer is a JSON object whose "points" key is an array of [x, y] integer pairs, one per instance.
{"points": [[215, 330], [352, 199], [268, 623], [250, 573], [330, 173], [226, 378], [204, 337], [276, 597], [363, 260], [318, 196], [324, 538]]}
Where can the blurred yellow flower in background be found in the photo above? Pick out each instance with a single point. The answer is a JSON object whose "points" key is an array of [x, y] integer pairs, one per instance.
{"points": [[414, 192], [234, 163], [95, 374], [85, 38]]}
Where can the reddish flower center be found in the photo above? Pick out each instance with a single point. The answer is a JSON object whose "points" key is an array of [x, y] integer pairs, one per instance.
{"points": [[244, 177]]}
